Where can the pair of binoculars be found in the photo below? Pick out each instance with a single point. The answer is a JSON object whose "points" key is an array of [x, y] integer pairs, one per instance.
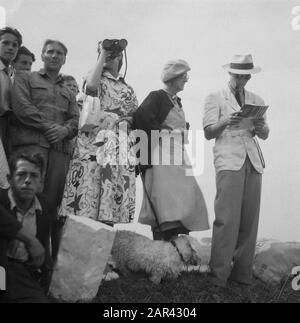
{"points": [[114, 45]]}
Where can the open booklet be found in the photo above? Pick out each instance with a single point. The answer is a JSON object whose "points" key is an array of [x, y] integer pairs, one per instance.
{"points": [[252, 111]]}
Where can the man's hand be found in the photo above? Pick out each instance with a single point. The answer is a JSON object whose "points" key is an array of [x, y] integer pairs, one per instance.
{"points": [[259, 124], [33, 246], [36, 252], [260, 128], [56, 133], [215, 130], [233, 119]]}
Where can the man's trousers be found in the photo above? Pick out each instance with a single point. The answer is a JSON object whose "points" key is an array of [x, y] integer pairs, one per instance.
{"points": [[22, 287], [237, 206]]}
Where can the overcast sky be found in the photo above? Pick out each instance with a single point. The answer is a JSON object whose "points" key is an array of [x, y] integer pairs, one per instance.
{"points": [[206, 34]]}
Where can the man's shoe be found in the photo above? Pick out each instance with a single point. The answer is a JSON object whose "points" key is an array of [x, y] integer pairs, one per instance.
{"points": [[216, 281]]}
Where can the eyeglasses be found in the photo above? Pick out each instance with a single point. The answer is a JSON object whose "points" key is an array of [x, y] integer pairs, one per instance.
{"points": [[242, 76], [184, 76]]}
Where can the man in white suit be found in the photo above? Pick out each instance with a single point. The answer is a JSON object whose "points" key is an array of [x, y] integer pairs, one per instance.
{"points": [[239, 166]]}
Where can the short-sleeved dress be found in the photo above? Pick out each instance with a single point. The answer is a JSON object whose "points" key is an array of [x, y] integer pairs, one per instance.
{"points": [[95, 187]]}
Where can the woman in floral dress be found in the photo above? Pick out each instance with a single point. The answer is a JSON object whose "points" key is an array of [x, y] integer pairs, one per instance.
{"points": [[98, 186]]}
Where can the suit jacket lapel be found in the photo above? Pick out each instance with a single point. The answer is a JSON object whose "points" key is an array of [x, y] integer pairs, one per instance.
{"points": [[230, 99]]}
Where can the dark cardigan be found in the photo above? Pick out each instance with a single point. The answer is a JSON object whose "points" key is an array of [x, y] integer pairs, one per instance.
{"points": [[151, 114], [153, 111]]}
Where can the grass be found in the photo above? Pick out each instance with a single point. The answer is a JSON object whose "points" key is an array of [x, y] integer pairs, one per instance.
{"points": [[191, 288]]}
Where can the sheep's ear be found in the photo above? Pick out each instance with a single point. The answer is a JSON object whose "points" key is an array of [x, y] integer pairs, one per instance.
{"points": [[183, 248], [194, 252]]}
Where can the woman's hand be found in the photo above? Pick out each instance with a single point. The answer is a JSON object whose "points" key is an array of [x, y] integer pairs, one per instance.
{"points": [[94, 76], [103, 53], [106, 55], [128, 119]]}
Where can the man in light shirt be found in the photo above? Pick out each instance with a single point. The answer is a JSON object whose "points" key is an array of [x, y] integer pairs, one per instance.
{"points": [[10, 41], [239, 166]]}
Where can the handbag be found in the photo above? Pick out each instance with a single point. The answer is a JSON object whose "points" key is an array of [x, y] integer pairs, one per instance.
{"points": [[91, 112]]}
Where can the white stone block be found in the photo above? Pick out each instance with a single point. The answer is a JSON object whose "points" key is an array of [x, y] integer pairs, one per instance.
{"points": [[85, 248]]}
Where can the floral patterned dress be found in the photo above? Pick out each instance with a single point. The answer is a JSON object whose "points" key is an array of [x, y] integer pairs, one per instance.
{"points": [[98, 185]]}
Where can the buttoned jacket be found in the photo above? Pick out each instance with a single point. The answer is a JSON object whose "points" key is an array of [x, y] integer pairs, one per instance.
{"points": [[9, 226], [38, 103], [235, 142]]}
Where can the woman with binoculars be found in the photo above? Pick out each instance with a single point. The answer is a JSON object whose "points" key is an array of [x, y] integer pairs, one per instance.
{"points": [[100, 186]]}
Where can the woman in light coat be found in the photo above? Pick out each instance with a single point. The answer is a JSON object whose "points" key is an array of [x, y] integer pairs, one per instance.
{"points": [[173, 202]]}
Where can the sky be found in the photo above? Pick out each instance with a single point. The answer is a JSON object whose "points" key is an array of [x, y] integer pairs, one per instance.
{"points": [[206, 34]]}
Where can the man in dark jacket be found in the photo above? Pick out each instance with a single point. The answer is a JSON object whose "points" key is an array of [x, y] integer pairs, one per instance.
{"points": [[25, 232]]}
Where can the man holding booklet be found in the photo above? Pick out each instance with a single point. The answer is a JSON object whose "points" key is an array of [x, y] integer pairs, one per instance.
{"points": [[239, 166]]}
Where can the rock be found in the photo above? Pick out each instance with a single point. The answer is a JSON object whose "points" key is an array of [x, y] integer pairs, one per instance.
{"points": [[274, 260], [85, 248]]}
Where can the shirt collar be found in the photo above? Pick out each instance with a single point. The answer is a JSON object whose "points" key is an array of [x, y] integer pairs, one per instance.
{"points": [[7, 69], [172, 97], [42, 72], [36, 205], [109, 75], [2, 66]]}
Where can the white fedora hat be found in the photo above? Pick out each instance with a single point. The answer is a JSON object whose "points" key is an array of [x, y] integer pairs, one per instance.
{"points": [[242, 64]]}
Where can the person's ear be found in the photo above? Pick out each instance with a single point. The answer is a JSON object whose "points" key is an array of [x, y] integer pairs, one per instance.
{"points": [[64, 60], [40, 187]]}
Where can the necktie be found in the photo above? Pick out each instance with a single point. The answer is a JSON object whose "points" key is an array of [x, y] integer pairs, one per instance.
{"points": [[238, 98], [7, 70]]}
